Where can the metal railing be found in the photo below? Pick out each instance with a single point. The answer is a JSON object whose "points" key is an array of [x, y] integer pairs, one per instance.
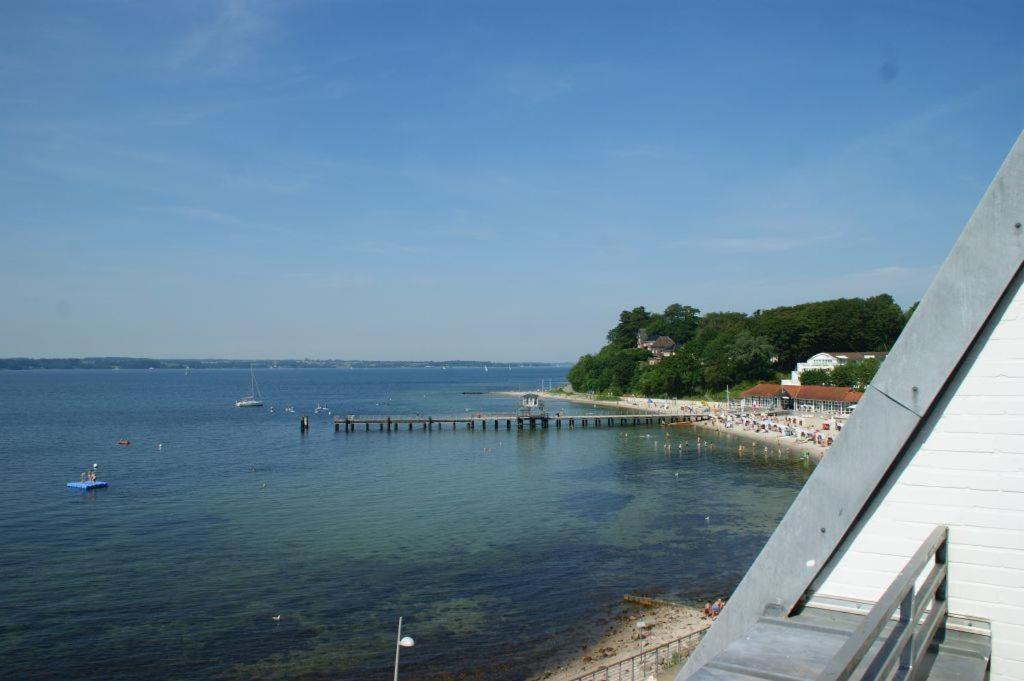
{"points": [[909, 640], [642, 665]]}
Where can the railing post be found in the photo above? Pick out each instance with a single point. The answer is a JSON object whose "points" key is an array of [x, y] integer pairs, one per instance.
{"points": [[906, 616], [940, 559]]}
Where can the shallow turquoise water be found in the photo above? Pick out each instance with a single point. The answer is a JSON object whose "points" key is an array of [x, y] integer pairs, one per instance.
{"points": [[492, 545]]}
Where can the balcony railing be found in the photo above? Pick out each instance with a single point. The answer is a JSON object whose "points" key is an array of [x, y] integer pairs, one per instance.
{"points": [[907, 642]]}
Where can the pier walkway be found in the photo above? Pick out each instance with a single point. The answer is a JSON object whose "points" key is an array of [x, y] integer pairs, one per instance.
{"points": [[472, 421]]}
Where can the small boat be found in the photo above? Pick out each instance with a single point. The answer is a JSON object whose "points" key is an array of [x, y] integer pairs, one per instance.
{"points": [[253, 399], [124, 442], [289, 410]]}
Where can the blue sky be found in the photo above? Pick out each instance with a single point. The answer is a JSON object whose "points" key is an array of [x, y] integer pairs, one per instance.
{"points": [[480, 180]]}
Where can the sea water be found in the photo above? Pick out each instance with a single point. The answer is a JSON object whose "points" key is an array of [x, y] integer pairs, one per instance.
{"points": [[499, 548]]}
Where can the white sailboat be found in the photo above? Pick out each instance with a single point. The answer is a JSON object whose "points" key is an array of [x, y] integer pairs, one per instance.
{"points": [[253, 399]]}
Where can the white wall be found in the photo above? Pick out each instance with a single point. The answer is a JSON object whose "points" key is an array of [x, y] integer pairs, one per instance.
{"points": [[968, 474]]}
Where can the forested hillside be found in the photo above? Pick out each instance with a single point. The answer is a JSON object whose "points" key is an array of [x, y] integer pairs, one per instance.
{"points": [[732, 348]]}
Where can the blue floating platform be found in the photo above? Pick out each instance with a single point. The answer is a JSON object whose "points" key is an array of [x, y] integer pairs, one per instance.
{"points": [[87, 485]]}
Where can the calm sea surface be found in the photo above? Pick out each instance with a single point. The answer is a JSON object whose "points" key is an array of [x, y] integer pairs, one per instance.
{"points": [[496, 547]]}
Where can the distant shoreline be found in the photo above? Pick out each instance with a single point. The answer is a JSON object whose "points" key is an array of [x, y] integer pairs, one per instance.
{"points": [[143, 363]]}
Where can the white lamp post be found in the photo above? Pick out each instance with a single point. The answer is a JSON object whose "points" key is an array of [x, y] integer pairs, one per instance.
{"points": [[401, 642]]}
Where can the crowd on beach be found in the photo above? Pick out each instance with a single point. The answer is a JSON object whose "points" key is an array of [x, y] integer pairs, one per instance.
{"points": [[802, 429], [814, 430], [814, 433]]}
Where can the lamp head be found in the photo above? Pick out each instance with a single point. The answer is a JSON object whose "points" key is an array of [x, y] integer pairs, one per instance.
{"points": [[407, 642]]}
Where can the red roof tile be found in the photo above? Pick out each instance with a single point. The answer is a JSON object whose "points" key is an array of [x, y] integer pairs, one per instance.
{"points": [[803, 392], [763, 390], [823, 392]]}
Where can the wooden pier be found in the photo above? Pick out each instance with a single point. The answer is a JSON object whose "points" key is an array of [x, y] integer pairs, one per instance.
{"points": [[507, 421]]}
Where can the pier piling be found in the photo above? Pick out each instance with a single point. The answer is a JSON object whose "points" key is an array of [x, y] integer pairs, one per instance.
{"points": [[522, 421]]}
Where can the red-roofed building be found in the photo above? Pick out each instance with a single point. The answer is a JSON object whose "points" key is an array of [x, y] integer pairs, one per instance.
{"points": [[659, 346], [810, 398]]}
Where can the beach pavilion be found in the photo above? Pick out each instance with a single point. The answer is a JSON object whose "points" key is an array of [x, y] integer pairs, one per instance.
{"points": [[820, 399]]}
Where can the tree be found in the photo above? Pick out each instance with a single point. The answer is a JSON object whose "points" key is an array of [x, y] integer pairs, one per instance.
{"points": [[751, 356], [723, 348], [856, 375], [678, 322], [630, 322], [816, 377]]}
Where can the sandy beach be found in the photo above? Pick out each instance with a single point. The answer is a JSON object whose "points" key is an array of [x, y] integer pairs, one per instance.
{"points": [[621, 639], [770, 443]]}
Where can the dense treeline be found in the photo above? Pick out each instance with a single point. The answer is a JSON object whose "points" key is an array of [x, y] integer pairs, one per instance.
{"points": [[730, 348]]}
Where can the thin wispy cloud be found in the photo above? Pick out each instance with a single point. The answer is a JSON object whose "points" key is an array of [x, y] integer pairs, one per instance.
{"points": [[640, 152], [535, 84], [225, 41], [901, 281], [754, 244], [473, 233], [199, 214]]}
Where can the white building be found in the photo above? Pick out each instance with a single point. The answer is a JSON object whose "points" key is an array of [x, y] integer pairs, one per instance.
{"points": [[829, 361], [903, 555]]}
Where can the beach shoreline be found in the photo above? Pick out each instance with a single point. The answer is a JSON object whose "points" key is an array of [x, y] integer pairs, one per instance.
{"points": [[773, 443], [622, 639]]}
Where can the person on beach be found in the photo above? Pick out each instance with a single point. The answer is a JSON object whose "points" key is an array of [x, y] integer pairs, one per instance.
{"points": [[707, 609]]}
